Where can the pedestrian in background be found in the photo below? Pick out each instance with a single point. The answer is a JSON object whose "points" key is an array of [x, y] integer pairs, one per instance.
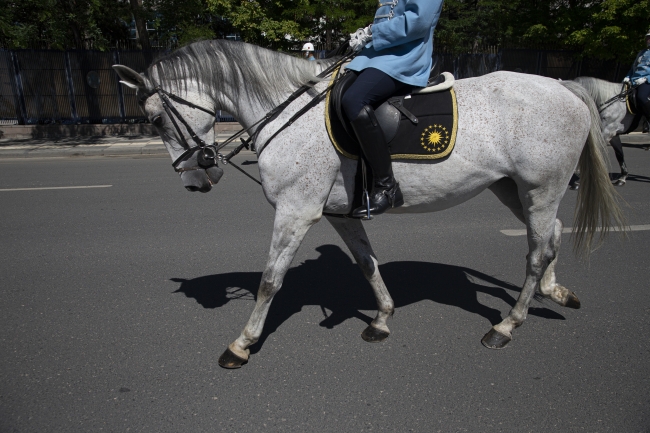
{"points": [[308, 50]]}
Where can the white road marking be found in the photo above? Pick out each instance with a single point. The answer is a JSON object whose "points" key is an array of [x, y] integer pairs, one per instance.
{"points": [[56, 187], [570, 230]]}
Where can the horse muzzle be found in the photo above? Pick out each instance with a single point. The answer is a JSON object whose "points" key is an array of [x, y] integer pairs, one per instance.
{"points": [[201, 180]]}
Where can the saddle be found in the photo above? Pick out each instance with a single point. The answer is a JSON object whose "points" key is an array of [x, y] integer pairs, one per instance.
{"points": [[419, 125]]}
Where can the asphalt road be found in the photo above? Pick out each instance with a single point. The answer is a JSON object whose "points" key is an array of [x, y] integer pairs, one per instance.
{"points": [[117, 302]]}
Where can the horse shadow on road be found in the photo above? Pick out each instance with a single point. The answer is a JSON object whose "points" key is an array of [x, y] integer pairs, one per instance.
{"points": [[335, 283], [638, 178]]}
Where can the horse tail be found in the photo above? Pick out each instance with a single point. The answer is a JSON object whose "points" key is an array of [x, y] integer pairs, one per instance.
{"points": [[597, 208]]}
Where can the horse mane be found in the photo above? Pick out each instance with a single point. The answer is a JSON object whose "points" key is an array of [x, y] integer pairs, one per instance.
{"points": [[265, 75], [599, 90]]}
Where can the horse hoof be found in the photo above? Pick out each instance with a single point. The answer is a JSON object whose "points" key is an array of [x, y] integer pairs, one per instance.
{"points": [[495, 340], [229, 360], [374, 335], [572, 301], [619, 182]]}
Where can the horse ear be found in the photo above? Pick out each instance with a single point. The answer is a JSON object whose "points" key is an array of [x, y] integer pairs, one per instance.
{"points": [[129, 77]]}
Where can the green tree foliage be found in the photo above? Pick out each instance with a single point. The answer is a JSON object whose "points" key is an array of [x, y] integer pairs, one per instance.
{"points": [[607, 29], [617, 31], [181, 21], [62, 24], [280, 24], [330, 22]]}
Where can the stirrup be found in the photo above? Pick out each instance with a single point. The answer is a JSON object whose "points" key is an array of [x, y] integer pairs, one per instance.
{"points": [[366, 199]]}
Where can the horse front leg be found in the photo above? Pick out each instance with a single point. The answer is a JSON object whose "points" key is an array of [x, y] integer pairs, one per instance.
{"points": [[354, 236], [288, 232]]}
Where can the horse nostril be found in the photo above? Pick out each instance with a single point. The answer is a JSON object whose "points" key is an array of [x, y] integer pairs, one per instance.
{"points": [[192, 188]]}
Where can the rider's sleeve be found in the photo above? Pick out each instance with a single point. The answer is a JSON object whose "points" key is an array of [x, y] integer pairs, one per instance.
{"points": [[416, 22]]}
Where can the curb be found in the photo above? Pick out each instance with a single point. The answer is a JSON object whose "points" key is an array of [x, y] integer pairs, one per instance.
{"points": [[74, 152], [109, 149], [53, 132]]}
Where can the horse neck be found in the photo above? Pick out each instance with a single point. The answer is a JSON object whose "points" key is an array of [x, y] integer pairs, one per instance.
{"points": [[600, 90], [246, 106], [247, 110]]}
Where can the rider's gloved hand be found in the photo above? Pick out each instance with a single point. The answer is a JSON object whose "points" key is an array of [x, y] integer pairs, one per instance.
{"points": [[360, 38], [640, 81], [626, 80]]}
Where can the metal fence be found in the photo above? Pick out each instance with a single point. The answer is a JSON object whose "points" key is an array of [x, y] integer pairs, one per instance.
{"points": [[554, 64], [70, 87], [77, 87]]}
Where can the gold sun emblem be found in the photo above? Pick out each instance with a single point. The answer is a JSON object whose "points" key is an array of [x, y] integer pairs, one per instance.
{"points": [[434, 138]]}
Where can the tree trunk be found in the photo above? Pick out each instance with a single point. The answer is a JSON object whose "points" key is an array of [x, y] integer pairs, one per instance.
{"points": [[140, 24], [78, 40]]}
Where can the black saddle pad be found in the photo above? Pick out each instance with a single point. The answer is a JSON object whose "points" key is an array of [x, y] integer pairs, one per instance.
{"points": [[432, 137]]}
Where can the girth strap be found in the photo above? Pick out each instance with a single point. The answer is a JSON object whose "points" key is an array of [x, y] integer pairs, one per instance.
{"points": [[397, 103]]}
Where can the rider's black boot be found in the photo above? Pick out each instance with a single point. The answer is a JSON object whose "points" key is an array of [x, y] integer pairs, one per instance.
{"points": [[385, 192]]}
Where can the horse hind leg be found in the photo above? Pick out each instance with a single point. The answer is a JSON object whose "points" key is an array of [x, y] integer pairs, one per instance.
{"points": [[620, 157], [506, 191], [548, 287], [539, 210], [354, 236]]}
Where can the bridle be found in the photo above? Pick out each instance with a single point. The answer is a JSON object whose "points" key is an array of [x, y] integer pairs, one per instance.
{"points": [[207, 158], [208, 154]]}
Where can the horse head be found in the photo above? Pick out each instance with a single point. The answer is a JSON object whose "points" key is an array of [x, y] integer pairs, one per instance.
{"points": [[184, 118]]}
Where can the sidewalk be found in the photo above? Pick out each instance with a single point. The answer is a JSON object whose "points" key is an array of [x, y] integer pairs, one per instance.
{"points": [[637, 139], [91, 146]]}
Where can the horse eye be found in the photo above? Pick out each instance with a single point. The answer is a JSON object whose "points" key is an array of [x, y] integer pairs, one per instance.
{"points": [[158, 120]]}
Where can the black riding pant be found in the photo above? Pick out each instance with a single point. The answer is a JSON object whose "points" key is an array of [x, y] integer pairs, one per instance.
{"points": [[371, 87], [642, 94]]}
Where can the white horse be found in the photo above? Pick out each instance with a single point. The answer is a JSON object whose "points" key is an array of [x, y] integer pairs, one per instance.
{"points": [[521, 136], [615, 117]]}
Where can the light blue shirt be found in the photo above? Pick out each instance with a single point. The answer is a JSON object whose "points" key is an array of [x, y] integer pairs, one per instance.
{"points": [[402, 40], [641, 66]]}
